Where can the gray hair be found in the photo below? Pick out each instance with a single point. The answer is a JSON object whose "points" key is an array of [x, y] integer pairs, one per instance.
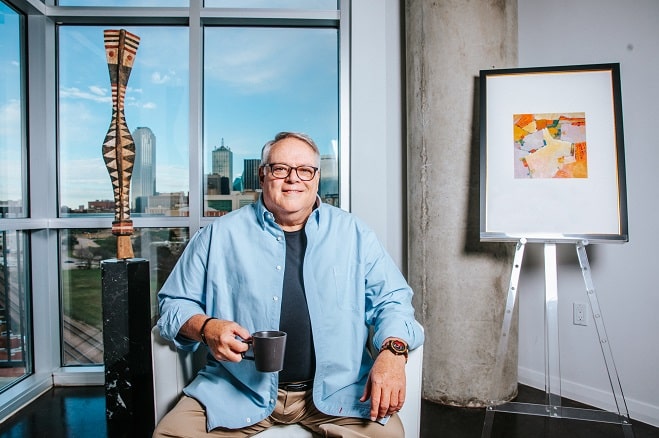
{"points": [[265, 152]]}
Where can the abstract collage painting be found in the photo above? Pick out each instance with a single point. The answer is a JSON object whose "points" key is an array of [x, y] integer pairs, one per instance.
{"points": [[550, 145]]}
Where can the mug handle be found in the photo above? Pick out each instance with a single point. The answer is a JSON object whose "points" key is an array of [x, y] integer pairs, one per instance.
{"points": [[243, 354]]}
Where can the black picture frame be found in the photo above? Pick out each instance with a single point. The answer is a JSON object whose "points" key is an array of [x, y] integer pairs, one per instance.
{"points": [[552, 158]]}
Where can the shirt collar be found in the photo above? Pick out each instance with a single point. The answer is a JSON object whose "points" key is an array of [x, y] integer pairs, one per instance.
{"points": [[264, 216]]}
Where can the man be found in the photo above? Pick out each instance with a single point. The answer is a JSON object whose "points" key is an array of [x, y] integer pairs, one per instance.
{"points": [[290, 263]]}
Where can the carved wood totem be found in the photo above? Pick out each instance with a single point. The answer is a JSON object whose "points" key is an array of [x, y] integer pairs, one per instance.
{"points": [[119, 146]]}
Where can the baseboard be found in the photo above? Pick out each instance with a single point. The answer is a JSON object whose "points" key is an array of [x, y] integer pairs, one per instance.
{"points": [[79, 376], [638, 410]]}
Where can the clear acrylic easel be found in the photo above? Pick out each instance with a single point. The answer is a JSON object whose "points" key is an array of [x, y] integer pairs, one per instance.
{"points": [[552, 407]]}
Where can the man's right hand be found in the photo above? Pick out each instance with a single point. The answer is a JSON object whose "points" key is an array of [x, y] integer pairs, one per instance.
{"points": [[221, 337]]}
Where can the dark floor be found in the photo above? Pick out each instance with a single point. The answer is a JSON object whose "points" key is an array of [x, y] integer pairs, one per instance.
{"points": [[76, 412]]}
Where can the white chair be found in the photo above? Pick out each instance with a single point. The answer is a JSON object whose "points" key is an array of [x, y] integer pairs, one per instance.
{"points": [[173, 369]]}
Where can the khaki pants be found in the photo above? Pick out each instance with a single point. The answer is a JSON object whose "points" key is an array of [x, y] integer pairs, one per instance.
{"points": [[188, 419]]}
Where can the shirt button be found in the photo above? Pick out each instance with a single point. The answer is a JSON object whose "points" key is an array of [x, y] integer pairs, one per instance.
{"points": [[248, 420], [275, 298], [278, 267]]}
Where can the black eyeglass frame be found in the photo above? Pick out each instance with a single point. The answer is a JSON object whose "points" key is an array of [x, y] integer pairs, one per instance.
{"points": [[290, 168]]}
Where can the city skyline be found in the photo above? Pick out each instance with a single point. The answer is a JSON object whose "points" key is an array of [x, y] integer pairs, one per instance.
{"points": [[143, 184], [220, 190]]}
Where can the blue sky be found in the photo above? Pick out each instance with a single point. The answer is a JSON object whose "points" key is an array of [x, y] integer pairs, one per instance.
{"points": [[10, 107], [257, 82]]}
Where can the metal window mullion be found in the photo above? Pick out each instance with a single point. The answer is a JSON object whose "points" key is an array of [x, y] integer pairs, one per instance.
{"points": [[269, 17], [344, 105], [112, 15], [196, 59], [29, 7], [43, 194]]}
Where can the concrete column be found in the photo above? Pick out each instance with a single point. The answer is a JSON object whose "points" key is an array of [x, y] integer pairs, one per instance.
{"points": [[460, 283]]}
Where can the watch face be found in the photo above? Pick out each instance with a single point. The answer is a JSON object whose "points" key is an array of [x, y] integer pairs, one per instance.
{"points": [[398, 346]]}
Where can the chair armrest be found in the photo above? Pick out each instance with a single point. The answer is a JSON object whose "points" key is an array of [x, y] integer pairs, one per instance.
{"points": [[173, 369], [410, 414]]}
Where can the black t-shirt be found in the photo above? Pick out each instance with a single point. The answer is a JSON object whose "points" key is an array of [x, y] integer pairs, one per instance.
{"points": [[299, 359]]}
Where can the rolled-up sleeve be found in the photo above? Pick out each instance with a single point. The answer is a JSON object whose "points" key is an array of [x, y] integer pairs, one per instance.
{"points": [[182, 295], [388, 298]]}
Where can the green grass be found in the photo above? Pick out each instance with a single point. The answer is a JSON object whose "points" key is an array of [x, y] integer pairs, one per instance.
{"points": [[82, 296], [83, 299]]}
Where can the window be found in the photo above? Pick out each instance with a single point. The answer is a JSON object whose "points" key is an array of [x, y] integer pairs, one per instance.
{"points": [[156, 109], [15, 336], [257, 82], [81, 253], [13, 176]]}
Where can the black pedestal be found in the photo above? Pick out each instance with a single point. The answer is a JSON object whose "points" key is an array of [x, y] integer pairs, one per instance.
{"points": [[127, 347]]}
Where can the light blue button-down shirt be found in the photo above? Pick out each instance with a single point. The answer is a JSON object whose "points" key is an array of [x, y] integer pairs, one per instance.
{"points": [[233, 269]]}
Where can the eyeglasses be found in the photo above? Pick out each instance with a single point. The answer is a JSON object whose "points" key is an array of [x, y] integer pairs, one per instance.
{"points": [[281, 171]]}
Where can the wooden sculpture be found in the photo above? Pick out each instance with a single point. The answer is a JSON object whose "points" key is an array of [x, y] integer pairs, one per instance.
{"points": [[119, 147]]}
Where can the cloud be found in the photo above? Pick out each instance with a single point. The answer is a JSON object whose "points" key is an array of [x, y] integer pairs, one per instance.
{"points": [[11, 167], [10, 183], [256, 61], [99, 91], [94, 94], [162, 78], [84, 180], [246, 60], [82, 128], [172, 178], [10, 121]]}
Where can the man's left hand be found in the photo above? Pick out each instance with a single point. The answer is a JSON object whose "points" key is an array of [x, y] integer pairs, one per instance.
{"points": [[386, 385]]}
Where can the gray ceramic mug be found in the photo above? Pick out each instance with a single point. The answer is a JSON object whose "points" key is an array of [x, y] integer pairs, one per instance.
{"points": [[268, 350]]}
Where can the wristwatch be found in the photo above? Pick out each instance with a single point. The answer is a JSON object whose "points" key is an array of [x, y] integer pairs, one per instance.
{"points": [[397, 347]]}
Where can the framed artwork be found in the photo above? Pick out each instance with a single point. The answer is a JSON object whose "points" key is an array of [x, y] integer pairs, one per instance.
{"points": [[552, 154]]}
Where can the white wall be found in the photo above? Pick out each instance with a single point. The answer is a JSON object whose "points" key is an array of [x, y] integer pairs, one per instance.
{"points": [[377, 151], [565, 32]]}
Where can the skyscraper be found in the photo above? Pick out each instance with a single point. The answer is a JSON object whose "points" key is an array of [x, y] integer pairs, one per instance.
{"points": [[329, 176], [251, 174], [143, 181], [222, 163]]}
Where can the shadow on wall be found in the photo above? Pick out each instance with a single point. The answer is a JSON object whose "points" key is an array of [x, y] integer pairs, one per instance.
{"points": [[472, 242]]}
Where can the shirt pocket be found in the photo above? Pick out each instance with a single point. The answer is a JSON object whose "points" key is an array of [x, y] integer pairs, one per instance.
{"points": [[347, 294]]}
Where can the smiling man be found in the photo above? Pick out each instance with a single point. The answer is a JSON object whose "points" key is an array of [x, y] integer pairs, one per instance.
{"points": [[290, 263]]}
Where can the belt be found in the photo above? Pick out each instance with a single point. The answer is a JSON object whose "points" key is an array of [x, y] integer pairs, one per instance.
{"points": [[297, 386]]}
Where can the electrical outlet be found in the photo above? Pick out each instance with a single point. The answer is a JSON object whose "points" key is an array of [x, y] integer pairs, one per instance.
{"points": [[580, 315]]}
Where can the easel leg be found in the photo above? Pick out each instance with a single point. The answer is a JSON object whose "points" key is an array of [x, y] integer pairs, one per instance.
{"points": [[552, 353], [505, 331], [604, 341]]}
